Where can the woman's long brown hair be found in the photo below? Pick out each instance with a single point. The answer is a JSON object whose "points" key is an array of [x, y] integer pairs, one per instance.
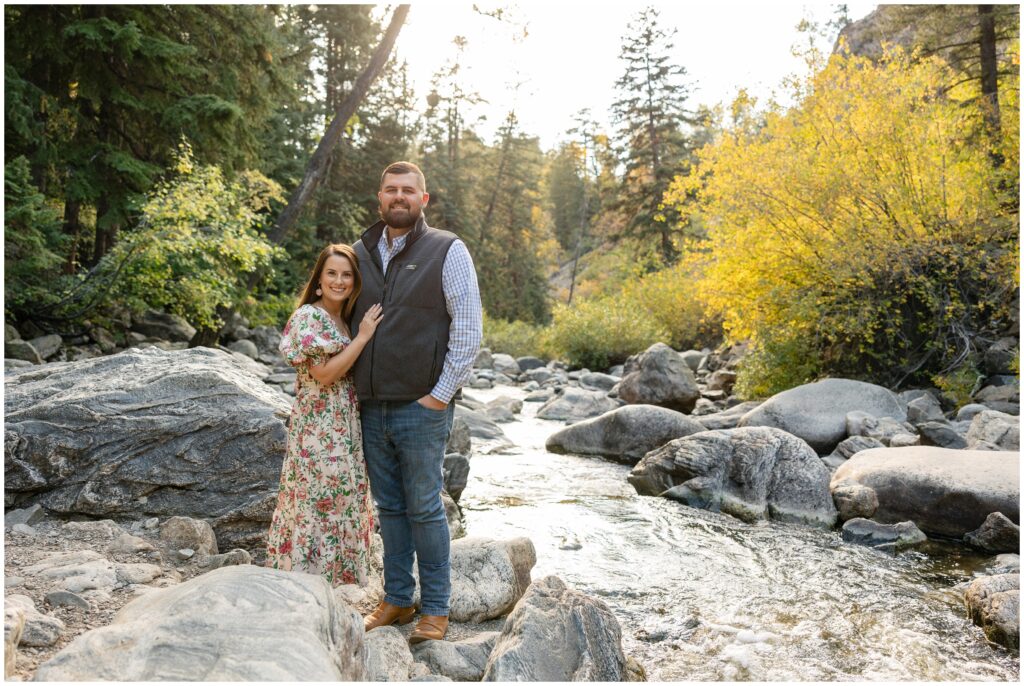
{"points": [[309, 292]]}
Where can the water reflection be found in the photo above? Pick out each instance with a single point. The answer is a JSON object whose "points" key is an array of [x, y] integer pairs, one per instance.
{"points": [[703, 596]]}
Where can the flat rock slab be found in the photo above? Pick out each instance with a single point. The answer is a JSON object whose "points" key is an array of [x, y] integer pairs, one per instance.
{"points": [[816, 412], [625, 434], [750, 473], [577, 404], [148, 433], [233, 624], [945, 492]]}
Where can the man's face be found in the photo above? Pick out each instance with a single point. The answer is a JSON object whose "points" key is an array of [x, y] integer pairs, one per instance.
{"points": [[401, 200]]}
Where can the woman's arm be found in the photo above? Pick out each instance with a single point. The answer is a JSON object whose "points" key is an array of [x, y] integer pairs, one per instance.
{"points": [[338, 365]]}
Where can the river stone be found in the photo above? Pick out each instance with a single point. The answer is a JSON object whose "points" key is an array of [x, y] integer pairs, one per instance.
{"points": [[721, 380], [186, 532], [528, 362], [148, 433], [458, 660], [488, 576], [968, 412], [894, 537], [505, 364], [237, 556], [500, 414], [816, 412], [557, 633], [598, 381], [242, 623], [692, 358], [661, 377], [625, 434], [492, 438], [992, 430], [456, 474], [29, 515], [78, 570], [126, 543], [997, 534], [751, 473], [456, 529], [484, 359], [945, 492], [849, 447], [10, 364], [993, 603], [39, 630], [885, 429], [541, 395], [14, 626], [727, 419], [940, 434], [47, 346], [853, 501], [22, 350], [924, 409], [162, 325], [245, 347], [103, 529], [67, 599], [459, 440], [577, 404], [387, 655]]}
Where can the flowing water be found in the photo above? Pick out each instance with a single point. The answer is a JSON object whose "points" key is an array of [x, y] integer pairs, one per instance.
{"points": [[703, 596]]}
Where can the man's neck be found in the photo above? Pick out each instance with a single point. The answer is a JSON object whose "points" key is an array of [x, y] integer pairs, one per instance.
{"points": [[393, 233]]}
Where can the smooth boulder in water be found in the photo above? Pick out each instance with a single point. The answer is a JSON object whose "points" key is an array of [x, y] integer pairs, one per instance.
{"points": [[625, 434], [233, 624], [148, 433], [816, 412], [577, 404], [994, 604], [750, 473], [557, 633], [659, 376], [944, 492]]}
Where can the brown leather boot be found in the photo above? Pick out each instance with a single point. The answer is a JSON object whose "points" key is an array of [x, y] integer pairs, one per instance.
{"points": [[387, 614], [430, 628]]}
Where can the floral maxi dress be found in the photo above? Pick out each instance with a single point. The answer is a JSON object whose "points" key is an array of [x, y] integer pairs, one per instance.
{"points": [[324, 516]]}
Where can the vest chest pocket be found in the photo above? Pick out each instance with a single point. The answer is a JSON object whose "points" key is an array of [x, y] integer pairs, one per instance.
{"points": [[416, 283]]}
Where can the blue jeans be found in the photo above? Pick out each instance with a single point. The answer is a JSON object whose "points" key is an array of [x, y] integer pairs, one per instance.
{"points": [[404, 444]]}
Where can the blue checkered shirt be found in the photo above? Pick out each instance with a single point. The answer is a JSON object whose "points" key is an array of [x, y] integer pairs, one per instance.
{"points": [[462, 297]]}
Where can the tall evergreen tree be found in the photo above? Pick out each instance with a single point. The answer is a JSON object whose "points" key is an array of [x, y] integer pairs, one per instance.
{"points": [[650, 113]]}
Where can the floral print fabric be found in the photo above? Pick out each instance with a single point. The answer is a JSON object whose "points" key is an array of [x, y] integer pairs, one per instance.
{"points": [[324, 516]]}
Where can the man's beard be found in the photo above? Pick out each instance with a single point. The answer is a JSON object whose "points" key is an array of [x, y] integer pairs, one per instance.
{"points": [[399, 218]]}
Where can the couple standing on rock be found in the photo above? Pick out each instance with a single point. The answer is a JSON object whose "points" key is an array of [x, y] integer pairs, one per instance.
{"points": [[410, 291]]}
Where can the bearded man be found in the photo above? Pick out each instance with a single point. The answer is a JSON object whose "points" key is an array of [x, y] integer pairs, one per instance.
{"points": [[406, 378]]}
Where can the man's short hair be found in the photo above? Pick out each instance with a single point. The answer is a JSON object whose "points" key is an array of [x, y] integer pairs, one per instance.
{"points": [[405, 168]]}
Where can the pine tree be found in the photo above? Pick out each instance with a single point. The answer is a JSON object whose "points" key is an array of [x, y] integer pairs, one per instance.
{"points": [[650, 113]]}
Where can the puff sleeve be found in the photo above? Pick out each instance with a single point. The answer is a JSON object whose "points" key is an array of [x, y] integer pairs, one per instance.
{"points": [[306, 337]]}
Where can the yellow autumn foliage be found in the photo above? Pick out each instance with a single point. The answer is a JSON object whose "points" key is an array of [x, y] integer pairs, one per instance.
{"points": [[868, 231]]}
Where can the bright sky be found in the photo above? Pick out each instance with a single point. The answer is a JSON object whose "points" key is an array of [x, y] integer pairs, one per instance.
{"points": [[569, 59]]}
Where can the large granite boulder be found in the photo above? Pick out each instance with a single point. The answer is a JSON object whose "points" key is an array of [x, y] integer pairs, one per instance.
{"points": [[233, 624], [816, 412], [388, 657], [557, 633], [625, 434], [659, 376], [945, 492], [993, 603], [148, 433], [751, 473], [577, 404]]}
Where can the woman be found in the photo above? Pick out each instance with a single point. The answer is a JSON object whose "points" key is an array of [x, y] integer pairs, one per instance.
{"points": [[324, 516]]}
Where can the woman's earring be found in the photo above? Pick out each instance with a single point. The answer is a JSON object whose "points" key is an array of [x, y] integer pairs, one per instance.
{"points": [[319, 292]]}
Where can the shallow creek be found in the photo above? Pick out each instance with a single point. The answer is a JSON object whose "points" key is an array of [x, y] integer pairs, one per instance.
{"points": [[703, 596]]}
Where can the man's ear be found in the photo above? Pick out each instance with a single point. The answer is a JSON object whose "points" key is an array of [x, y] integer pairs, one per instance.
{"points": [[426, 198]]}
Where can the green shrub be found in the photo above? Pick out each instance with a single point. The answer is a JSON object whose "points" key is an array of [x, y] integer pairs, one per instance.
{"points": [[602, 332], [774, 366], [517, 339], [268, 309], [958, 384]]}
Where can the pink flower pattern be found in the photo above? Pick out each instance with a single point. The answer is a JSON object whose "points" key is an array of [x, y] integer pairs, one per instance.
{"points": [[324, 516]]}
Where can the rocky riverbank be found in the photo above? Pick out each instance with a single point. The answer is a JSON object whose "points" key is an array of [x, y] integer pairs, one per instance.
{"points": [[152, 439]]}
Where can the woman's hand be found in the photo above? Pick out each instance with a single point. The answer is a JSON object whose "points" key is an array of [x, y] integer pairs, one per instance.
{"points": [[368, 325]]}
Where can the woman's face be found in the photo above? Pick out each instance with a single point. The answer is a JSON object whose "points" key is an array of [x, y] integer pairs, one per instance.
{"points": [[336, 279]]}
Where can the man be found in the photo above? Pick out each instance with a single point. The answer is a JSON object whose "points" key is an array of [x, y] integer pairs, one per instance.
{"points": [[406, 377]]}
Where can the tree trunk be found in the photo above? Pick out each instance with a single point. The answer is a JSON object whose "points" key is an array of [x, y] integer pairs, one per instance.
{"points": [[989, 70], [72, 229], [321, 157], [105, 232]]}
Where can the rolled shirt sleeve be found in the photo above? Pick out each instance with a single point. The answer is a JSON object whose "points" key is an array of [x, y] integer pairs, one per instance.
{"points": [[462, 297]]}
